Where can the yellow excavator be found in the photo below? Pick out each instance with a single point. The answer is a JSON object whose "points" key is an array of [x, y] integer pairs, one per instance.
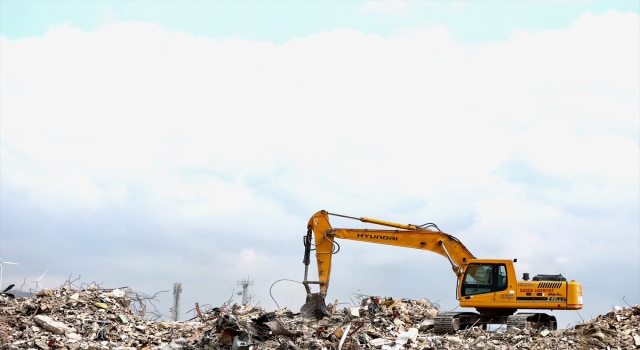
{"points": [[488, 285]]}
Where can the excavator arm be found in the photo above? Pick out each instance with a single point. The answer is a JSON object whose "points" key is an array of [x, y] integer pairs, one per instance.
{"points": [[322, 236]]}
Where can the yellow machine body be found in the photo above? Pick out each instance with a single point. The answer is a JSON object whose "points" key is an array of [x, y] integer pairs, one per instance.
{"points": [[509, 293], [489, 285]]}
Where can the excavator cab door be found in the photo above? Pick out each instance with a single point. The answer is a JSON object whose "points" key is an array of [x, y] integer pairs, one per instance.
{"points": [[504, 293]]}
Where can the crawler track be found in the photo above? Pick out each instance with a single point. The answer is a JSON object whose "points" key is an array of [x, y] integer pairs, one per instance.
{"points": [[446, 322], [532, 321], [450, 322]]}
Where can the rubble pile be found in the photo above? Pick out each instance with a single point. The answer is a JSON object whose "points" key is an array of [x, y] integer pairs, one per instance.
{"points": [[105, 319], [89, 319], [619, 328], [377, 323]]}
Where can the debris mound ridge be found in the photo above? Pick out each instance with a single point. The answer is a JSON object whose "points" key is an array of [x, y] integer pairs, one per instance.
{"points": [[97, 319]]}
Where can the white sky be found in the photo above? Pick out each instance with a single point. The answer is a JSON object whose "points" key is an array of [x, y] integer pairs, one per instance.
{"points": [[134, 155]]}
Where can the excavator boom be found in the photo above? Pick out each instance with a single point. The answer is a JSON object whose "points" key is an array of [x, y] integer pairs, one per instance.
{"points": [[321, 235], [410, 236]]}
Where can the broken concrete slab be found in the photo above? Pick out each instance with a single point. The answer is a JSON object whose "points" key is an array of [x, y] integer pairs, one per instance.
{"points": [[54, 326]]}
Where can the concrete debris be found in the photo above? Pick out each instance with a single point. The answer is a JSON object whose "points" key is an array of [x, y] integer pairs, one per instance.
{"points": [[71, 320], [404, 337], [77, 320], [177, 344], [54, 326]]}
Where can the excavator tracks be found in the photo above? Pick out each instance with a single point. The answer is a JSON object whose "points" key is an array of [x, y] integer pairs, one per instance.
{"points": [[532, 321], [446, 322], [450, 322]]}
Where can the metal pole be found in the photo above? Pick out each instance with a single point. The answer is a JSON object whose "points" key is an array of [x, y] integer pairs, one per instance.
{"points": [[175, 311]]}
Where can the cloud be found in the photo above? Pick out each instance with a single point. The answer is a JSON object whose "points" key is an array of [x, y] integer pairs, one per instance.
{"points": [[458, 5], [390, 7], [163, 157]]}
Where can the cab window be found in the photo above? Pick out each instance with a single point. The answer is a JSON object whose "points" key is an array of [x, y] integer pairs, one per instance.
{"points": [[484, 278], [502, 278]]}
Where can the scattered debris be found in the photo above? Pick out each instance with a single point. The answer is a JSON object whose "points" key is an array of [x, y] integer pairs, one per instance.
{"points": [[66, 319]]}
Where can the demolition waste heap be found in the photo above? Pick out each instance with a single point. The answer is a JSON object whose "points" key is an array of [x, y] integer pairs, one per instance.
{"points": [[95, 318]]}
